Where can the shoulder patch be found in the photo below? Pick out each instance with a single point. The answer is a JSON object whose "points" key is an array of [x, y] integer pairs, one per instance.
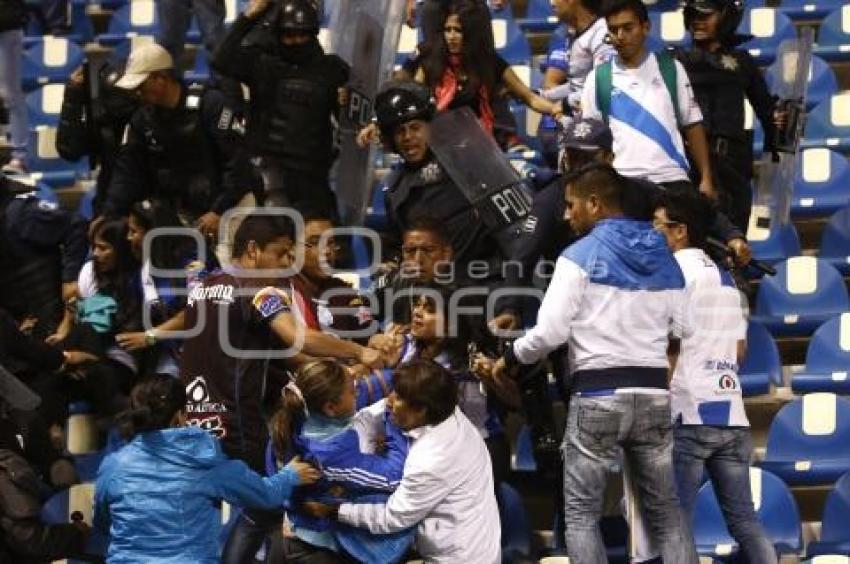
{"points": [[271, 301], [47, 205]]}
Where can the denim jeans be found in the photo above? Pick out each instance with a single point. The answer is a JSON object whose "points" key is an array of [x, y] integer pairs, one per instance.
{"points": [[175, 16], [11, 52], [640, 424], [725, 453]]}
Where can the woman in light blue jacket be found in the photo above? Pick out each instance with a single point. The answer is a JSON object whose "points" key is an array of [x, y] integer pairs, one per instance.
{"points": [[157, 496]]}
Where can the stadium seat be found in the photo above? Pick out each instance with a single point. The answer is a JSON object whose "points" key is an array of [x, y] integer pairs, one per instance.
{"points": [[510, 41], [821, 183], [828, 124], [527, 122], [809, 9], [828, 559], [376, 213], [835, 241], [822, 82], [408, 41], [774, 245], [81, 32], [516, 531], [835, 532], [44, 158], [125, 46], [523, 459], [762, 366], [539, 17], [775, 507], [200, 71], [769, 27], [88, 464], [42, 190], [51, 60], [808, 442], [669, 27], [231, 12], [827, 359], [834, 35], [77, 501], [804, 293], [139, 17], [44, 104]]}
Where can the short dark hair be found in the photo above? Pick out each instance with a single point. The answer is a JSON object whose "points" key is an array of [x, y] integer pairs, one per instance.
{"points": [[154, 402], [426, 384], [690, 208], [315, 212], [262, 229], [637, 7], [600, 180], [429, 224], [592, 6]]}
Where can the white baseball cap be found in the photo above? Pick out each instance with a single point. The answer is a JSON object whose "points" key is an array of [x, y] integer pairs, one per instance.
{"points": [[142, 62]]}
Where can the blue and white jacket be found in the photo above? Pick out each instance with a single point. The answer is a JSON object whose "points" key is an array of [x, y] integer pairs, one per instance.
{"points": [[615, 297]]}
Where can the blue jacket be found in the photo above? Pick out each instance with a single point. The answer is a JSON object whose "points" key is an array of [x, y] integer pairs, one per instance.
{"points": [[157, 496]]}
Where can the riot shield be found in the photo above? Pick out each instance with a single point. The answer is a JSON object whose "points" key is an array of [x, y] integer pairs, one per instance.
{"points": [[473, 160], [772, 199], [365, 34], [14, 394]]}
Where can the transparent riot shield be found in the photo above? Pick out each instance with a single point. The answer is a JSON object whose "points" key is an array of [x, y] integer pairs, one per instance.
{"points": [[473, 160], [365, 34], [772, 199]]}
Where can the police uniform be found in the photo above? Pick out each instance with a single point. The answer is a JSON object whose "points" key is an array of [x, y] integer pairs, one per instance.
{"points": [[94, 127], [721, 81], [189, 155], [294, 104], [41, 246]]}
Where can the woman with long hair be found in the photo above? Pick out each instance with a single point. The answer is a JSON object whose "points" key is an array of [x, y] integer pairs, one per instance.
{"points": [[157, 497], [461, 68]]}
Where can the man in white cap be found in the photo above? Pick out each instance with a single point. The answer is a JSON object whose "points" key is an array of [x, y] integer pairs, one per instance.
{"points": [[182, 145]]}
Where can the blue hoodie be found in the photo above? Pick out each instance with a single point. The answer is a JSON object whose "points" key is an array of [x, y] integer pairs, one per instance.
{"points": [[627, 254], [157, 496]]}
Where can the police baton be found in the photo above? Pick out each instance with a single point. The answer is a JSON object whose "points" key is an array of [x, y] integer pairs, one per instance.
{"points": [[724, 249]]}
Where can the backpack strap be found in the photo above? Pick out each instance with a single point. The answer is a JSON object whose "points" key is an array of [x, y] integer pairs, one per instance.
{"points": [[604, 85], [667, 67]]}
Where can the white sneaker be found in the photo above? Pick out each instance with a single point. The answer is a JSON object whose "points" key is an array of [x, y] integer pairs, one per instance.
{"points": [[15, 166]]}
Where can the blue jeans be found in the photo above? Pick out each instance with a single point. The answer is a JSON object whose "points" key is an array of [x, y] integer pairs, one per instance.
{"points": [[175, 16], [725, 453], [640, 424], [11, 52]]}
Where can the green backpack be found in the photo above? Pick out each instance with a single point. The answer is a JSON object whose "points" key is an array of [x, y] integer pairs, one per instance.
{"points": [[605, 81]]}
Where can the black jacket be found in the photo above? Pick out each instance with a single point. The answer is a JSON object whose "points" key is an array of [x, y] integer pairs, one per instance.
{"points": [[13, 14]]}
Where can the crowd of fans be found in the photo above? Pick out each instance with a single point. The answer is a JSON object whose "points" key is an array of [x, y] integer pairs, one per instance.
{"points": [[198, 315]]}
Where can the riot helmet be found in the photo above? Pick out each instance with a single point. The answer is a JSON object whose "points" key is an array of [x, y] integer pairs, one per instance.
{"points": [[731, 14], [399, 102], [296, 16]]}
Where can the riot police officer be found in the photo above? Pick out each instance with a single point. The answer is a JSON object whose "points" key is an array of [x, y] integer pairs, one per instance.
{"points": [[295, 100], [92, 121], [42, 249], [183, 145], [722, 76]]}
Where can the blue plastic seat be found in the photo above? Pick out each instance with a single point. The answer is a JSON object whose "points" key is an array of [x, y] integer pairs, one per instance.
{"points": [[808, 442], [231, 12], [539, 17], [774, 245], [45, 104], [81, 32], [828, 559], [762, 366], [804, 293], [775, 508], [669, 27], [44, 158], [827, 359], [835, 241], [139, 17], [524, 452], [510, 42], [769, 27], [200, 72], [822, 82], [835, 532], [51, 60], [834, 35], [122, 49], [408, 41], [376, 214], [516, 530], [809, 9], [62, 506], [821, 183], [828, 124]]}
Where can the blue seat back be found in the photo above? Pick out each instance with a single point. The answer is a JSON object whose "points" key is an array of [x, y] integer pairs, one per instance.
{"points": [[835, 241], [834, 32], [516, 531], [822, 82], [769, 27], [51, 60], [510, 41], [814, 427], [775, 508], [836, 512], [802, 286], [669, 27], [139, 17], [762, 354], [821, 182], [45, 104], [829, 348], [776, 244], [828, 124]]}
